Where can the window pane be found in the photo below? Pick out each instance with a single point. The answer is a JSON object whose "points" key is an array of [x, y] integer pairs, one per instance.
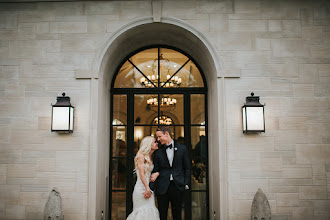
{"points": [[130, 77], [146, 61], [199, 158], [119, 147], [178, 133], [119, 170], [126, 77], [199, 205], [139, 133], [118, 202], [197, 104], [190, 76], [170, 62], [172, 106], [198, 174], [198, 141], [150, 130], [145, 109], [119, 110]]}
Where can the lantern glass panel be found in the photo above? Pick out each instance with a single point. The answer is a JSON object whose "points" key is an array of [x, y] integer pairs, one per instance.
{"points": [[61, 118], [71, 118], [255, 118], [244, 119]]}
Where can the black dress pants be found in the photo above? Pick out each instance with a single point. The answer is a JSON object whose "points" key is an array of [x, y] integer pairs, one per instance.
{"points": [[173, 195]]}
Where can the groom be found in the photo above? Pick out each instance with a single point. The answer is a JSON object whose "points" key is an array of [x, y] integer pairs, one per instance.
{"points": [[172, 164]]}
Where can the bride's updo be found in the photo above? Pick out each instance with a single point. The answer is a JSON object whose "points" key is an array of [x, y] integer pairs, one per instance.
{"points": [[145, 148]]}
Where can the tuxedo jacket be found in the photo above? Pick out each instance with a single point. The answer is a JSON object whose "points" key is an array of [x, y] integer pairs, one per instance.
{"points": [[180, 169]]}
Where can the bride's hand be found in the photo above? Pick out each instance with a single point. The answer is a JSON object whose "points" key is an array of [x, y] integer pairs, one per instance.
{"points": [[154, 176], [147, 194]]}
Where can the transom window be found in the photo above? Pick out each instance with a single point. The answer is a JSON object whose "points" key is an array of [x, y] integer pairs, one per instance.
{"points": [[170, 69]]}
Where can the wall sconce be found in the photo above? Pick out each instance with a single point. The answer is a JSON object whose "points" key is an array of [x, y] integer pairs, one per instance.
{"points": [[62, 115], [253, 115]]}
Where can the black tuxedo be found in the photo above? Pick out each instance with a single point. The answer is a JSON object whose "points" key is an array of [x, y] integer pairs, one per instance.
{"points": [[165, 189]]}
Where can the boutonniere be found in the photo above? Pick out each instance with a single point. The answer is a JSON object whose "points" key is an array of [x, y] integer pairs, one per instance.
{"points": [[175, 148]]}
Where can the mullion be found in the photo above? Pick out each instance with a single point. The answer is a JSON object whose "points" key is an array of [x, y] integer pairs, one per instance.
{"points": [[158, 113], [130, 154], [187, 132], [158, 61], [162, 90], [158, 95], [200, 158], [147, 125]]}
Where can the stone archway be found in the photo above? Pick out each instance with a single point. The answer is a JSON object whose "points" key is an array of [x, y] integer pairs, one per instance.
{"points": [[142, 33]]}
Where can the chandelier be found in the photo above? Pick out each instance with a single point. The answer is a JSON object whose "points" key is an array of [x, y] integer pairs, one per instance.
{"points": [[165, 65], [162, 120], [166, 103]]}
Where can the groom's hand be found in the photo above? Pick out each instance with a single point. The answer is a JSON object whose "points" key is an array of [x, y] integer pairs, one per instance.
{"points": [[154, 176], [147, 194]]}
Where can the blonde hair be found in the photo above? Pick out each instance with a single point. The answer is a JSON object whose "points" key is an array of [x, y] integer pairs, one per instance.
{"points": [[145, 148]]}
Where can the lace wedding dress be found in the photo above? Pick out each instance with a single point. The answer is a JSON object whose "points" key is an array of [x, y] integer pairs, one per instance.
{"points": [[143, 209]]}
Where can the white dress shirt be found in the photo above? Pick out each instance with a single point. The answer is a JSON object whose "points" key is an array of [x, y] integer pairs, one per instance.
{"points": [[170, 156]]}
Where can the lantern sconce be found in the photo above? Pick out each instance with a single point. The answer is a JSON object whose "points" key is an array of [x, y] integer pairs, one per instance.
{"points": [[62, 115], [253, 115]]}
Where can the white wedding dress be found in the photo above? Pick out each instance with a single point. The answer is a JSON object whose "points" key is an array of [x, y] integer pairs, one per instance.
{"points": [[143, 209]]}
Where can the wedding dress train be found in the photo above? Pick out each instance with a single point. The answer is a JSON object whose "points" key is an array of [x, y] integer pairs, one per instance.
{"points": [[143, 209]]}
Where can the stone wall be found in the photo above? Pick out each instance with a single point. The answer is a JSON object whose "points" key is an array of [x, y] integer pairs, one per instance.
{"points": [[280, 50]]}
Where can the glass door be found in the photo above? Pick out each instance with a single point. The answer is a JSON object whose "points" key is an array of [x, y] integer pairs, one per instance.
{"points": [[155, 87]]}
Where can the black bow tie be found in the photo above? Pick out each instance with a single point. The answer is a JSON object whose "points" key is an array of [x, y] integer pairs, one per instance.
{"points": [[169, 146]]}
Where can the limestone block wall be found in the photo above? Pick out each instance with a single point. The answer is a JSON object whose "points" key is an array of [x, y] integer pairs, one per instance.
{"points": [[38, 59], [45, 49], [277, 49], [281, 50]]}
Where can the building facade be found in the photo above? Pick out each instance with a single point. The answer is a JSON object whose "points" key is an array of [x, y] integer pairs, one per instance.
{"points": [[280, 50]]}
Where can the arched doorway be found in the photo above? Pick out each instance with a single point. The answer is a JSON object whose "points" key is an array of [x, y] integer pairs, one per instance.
{"points": [[166, 85]]}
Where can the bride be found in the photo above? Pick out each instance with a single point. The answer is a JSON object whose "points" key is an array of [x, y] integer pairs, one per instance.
{"points": [[143, 200]]}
